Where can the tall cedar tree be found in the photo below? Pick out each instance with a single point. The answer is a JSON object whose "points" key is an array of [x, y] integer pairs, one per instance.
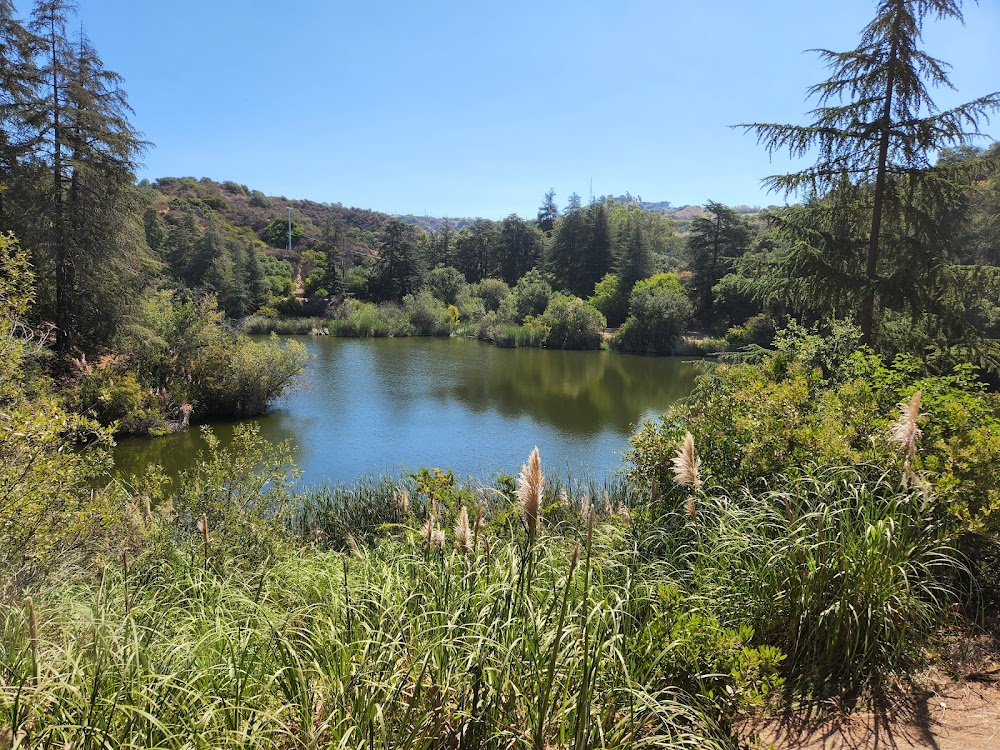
{"points": [[398, 270], [635, 260], [92, 239], [875, 129], [520, 248], [714, 243], [18, 100]]}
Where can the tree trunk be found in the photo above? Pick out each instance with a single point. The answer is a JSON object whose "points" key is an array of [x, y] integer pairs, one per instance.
{"points": [[871, 269]]}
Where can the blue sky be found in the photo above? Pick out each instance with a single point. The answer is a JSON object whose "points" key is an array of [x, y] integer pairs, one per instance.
{"points": [[477, 108]]}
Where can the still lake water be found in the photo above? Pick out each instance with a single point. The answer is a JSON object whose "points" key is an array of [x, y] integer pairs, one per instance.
{"points": [[390, 405]]}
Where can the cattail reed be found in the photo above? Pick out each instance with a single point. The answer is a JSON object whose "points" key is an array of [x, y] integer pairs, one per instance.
{"points": [[404, 501], [608, 510], [686, 464], [529, 494], [463, 533], [585, 507], [563, 497]]}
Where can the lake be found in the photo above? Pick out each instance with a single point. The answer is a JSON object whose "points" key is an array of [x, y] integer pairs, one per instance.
{"points": [[389, 405]]}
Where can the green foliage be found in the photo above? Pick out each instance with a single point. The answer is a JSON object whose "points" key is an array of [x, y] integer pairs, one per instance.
{"points": [[820, 402], [572, 324], [658, 315], [275, 234], [428, 315], [875, 231], [689, 649], [715, 242], [611, 299], [114, 396], [243, 491], [446, 284], [849, 576], [238, 376], [493, 293], [363, 319], [531, 295], [49, 517]]}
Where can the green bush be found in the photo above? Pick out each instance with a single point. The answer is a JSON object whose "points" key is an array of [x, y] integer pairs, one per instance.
{"points": [[611, 299], [848, 576], [114, 396], [572, 324], [493, 293], [531, 296], [446, 284], [658, 315], [240, 377], [428, 315], [817, 402]]}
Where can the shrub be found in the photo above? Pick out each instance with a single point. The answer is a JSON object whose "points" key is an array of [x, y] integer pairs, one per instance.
{"points": [[428, 314], [531, 295], [814, 403], [114, 396], [849, 576], [240, 377], [446, 284], [658, 315], [572, 324], [493, 293], [611, 299]]}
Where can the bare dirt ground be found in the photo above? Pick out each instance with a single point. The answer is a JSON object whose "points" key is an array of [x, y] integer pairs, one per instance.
{"points": [[953, 706]]}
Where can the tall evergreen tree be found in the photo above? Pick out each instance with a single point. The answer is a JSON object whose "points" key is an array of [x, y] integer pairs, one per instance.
{"points": [[548, 213], [715, 242], [520, 248], [93, 236], [398, 269], [477, 250], [875, 129], [635, 260], [18, 101]]}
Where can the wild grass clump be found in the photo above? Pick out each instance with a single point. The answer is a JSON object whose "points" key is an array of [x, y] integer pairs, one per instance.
{"points": [[263, 324], [356, 319], [849, 577], [387, 646]]}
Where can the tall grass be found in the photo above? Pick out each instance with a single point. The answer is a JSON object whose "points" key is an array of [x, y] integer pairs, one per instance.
{"points": [[850, 577], [262, 324], [391, 647]]}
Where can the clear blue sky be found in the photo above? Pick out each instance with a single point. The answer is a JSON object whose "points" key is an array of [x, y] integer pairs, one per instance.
{"points": [[477, 108]]}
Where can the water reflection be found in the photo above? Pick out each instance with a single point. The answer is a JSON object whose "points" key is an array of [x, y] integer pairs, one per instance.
{"points": [[384, 404]]}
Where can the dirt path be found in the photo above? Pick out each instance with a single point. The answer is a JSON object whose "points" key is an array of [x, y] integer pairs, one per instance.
{"points": [[945, 716]]}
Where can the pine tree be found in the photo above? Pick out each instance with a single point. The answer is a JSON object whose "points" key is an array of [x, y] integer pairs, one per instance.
{"points": [[520, 248], [875, 129], [715, 242], [18, 101], [635, 257], [548, 213], [93, 236]]}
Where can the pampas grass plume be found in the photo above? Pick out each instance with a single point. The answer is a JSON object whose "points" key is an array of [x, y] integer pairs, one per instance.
{"points": [[904, 431], [686, 464], [529, 493], [463, 534]]}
